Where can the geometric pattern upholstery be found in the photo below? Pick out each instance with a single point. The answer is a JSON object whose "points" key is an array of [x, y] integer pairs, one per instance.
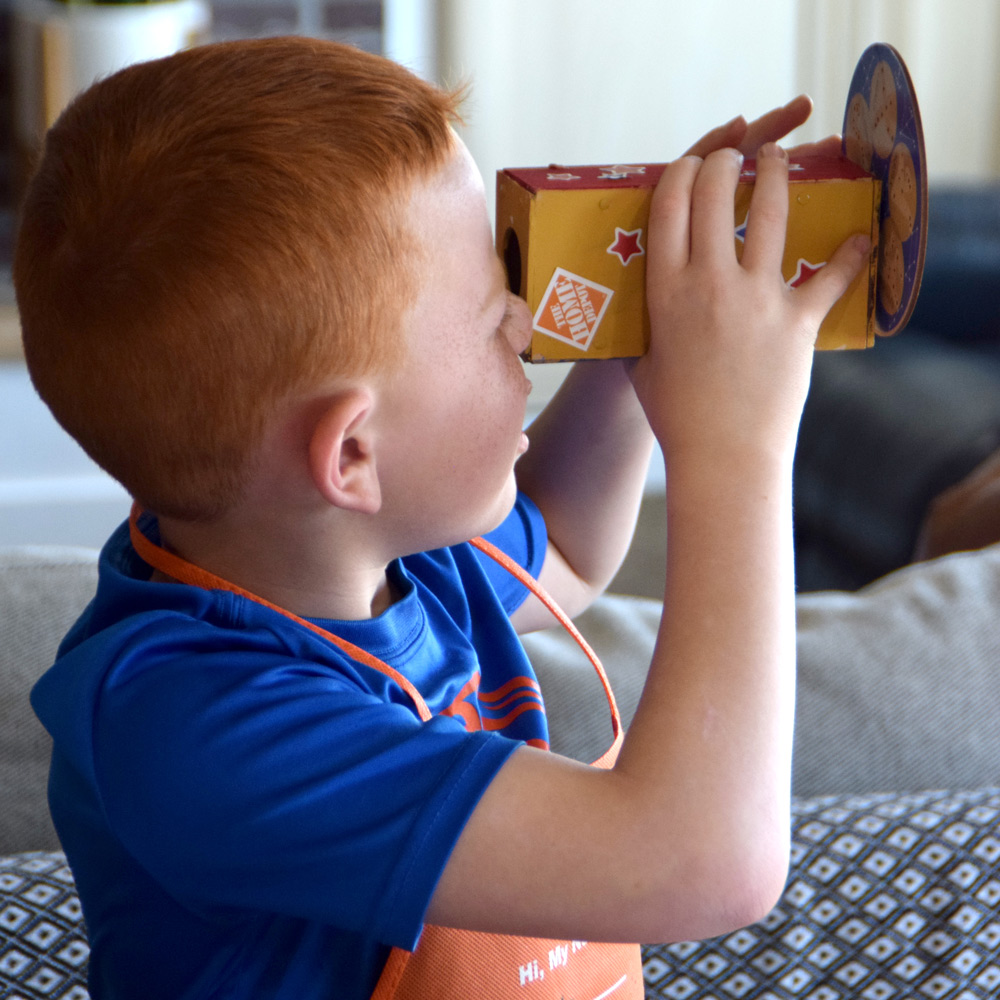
{"points": [[43, 943], [889, 896]]}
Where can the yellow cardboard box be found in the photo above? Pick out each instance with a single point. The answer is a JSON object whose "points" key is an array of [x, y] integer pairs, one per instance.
{"points": [[573, 241]]}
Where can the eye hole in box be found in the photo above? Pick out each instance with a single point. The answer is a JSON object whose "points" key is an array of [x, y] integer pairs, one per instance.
{"points": [[512, 260]]}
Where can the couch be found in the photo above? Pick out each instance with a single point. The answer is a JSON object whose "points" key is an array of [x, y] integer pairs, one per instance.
{"points": [[886, 430], [894, 889]]}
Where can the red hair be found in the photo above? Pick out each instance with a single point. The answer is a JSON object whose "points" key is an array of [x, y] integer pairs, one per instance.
{"points": [[208, 235]]}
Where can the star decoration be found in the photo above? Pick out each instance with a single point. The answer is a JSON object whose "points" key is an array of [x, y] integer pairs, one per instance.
{"points": [[741, 230], [748, 173], [804, 272], [618, 172], [626, 244], [562, 177]]}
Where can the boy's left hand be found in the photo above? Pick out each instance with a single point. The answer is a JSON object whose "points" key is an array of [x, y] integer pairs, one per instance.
{"points": [[748, 137]]}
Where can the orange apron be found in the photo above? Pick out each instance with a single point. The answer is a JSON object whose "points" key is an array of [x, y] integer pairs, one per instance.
{"points": [[448, 963]]}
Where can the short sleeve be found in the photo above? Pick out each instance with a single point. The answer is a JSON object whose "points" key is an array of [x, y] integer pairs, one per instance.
{"points": [[288, 790]]}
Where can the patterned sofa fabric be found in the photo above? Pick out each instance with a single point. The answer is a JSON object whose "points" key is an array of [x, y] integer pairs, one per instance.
{"points": [[889, 896], [43, 940]]}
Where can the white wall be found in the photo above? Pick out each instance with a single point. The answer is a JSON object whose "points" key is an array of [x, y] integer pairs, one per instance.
{"points": [[952, 50], [50, 491], [585, 81], [595, 80]]}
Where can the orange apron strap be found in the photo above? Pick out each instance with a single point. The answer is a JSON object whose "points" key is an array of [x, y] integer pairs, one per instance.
{"points": [[392, 974], [444, 951], [608, 758], [180, 569]]}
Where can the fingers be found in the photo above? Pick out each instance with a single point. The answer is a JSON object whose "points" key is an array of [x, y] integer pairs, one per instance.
{"points": [[691, 216], [764, 245], [725, 136], [775, 124], [712, 240], [691, 220], [830, 146], [749, 137], [817, 296], [670, 214]]}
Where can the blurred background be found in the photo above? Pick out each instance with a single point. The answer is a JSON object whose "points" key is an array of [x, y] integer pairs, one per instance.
{"points": [[565, 81], [586, 81]]}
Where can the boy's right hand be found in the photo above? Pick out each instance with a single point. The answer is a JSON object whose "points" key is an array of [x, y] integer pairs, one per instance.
{"points": [[731, 345], [687, 836]]}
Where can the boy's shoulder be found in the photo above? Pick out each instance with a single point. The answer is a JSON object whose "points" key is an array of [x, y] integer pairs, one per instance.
{"points": [[159, 635]]}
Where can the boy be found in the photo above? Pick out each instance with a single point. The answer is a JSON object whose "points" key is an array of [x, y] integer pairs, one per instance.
{"points": [[257, 283]]}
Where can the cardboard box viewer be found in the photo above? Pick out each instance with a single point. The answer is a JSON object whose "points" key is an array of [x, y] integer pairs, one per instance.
{"points": [[573, 241]]}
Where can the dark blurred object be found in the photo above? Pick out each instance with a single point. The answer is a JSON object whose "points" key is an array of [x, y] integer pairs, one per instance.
{"points": [[966, 516], [886, 431]]}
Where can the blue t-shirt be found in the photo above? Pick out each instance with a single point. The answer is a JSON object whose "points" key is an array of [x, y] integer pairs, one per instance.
{"points": [[248, 812]]}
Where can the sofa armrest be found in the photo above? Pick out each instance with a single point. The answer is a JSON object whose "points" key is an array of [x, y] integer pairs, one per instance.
{"points": [[898, 682], [43, 589]]}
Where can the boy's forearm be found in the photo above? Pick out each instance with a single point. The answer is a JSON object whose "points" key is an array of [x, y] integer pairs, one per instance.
{"points": [[587, 466], [697, 804], [719, 700], [696, 807]]}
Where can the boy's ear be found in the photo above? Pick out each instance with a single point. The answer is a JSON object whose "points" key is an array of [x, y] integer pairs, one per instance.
{"points": [[342, 453]]}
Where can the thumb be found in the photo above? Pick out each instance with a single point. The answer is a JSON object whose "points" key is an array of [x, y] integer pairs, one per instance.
{"points": [[822, 290]]}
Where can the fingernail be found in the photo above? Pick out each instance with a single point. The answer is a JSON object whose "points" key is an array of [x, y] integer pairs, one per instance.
{"points": [[772, 151], [862, 243]]}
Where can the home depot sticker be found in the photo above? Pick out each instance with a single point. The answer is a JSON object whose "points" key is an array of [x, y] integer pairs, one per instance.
{"points": [[572, 308]]}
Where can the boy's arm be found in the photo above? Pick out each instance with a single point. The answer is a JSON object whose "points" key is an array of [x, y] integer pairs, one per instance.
{"points": [[585, 469], [687, 836], [589, 455]]}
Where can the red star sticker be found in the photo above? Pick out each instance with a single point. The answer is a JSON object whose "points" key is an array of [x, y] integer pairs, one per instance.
{"points": [[626, 244], [804, 272]]}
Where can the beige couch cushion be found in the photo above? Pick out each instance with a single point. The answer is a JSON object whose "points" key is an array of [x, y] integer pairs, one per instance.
{"points": [[42, 591], [899, 683]]}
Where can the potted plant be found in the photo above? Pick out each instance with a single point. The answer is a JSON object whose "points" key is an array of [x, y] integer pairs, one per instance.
{"points": [[60, 47]]}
